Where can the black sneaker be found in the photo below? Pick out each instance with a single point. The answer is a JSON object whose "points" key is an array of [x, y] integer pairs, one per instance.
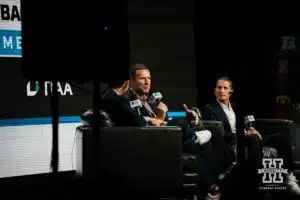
{"points": [[214, 193]]}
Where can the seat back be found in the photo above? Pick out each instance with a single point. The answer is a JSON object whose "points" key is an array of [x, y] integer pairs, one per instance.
{"points": [[105, 120], [214, 126], [277, 126]]}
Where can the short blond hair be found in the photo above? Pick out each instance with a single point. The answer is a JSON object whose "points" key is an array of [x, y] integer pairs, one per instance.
{"points": [[224, 78]]}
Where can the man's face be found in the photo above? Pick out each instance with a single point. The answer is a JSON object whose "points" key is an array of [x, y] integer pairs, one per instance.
{"points": [[142, 81], [222, 90]]}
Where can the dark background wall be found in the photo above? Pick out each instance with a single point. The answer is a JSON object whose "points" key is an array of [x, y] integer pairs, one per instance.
{"points": [[162, 37], [186, 58], [246, 50], [241, 52]]}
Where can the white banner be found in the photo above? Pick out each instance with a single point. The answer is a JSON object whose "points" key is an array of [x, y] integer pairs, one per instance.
{"points": [[10, 28]]}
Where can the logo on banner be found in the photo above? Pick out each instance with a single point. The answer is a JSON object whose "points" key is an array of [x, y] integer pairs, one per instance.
{"points": [[272, 174], [10, 29], [33, 88]]}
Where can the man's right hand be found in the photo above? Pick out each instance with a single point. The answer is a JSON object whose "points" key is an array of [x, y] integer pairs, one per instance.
{"points": [[157, 122], [252, 131]]}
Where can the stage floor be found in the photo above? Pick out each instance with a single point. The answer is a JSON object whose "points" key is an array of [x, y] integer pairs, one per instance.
{"points": [[42, 186]]}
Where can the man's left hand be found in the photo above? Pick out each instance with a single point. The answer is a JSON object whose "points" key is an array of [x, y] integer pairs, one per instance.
{"points": [[163, 107], [162, 110]]}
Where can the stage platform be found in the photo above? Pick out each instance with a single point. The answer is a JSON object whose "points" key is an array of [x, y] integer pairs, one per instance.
{"points": [[66, 186]]}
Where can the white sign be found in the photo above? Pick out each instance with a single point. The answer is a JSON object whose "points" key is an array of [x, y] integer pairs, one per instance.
{"points": [[32, 88], [10, 29]]}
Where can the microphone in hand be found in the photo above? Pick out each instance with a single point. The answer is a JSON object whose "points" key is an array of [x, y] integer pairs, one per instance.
{"points": [[161, 108], [249, 126], [155, 97], [136, 105], [249, 122]]}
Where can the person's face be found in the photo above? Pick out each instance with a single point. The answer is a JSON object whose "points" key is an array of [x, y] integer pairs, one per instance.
{"points": [[142, 81], [223, 89]]}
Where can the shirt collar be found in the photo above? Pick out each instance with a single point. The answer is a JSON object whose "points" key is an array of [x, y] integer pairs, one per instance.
{"points": [[142, 98], [225, 106], [116, 92]]}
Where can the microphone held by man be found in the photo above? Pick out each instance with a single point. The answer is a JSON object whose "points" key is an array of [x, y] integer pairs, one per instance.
{"points": [[136, 105], [249, 122], [249, 126], [155, 98]]}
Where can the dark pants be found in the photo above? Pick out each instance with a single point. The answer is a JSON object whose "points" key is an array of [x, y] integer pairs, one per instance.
{"points": [[243, 180], [205, 162], [218, 145], [212, 158]]}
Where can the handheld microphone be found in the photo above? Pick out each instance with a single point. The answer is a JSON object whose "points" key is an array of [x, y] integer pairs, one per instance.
{"points": [[249, 122], [155, 97], [136, 104]]}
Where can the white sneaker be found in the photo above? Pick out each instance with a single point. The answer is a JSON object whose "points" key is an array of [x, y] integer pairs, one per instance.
{"points": [[203, 136], [292, 183], [211, 197]]}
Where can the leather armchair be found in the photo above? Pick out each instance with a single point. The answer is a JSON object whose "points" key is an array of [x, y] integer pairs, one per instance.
{"points": [[268, 152], [273, 126], [112, 139]]}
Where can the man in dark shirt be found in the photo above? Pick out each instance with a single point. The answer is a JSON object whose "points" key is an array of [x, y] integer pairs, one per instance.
{"points": [[118, 107]]}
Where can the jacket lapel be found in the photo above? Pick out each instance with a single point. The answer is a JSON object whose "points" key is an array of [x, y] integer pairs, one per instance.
{"points": [[220, 112]]}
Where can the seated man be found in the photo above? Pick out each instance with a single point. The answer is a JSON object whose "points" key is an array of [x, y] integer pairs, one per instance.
{"points": [[221, 110], [140, 82], [118, 107], [140, 85]]}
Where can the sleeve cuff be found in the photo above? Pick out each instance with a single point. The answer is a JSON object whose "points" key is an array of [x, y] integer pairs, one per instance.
{"points": [[147, 119]]}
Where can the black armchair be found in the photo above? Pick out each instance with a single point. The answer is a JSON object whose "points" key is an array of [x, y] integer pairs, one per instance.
{"points": [[146, 159], [274, 126]]}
